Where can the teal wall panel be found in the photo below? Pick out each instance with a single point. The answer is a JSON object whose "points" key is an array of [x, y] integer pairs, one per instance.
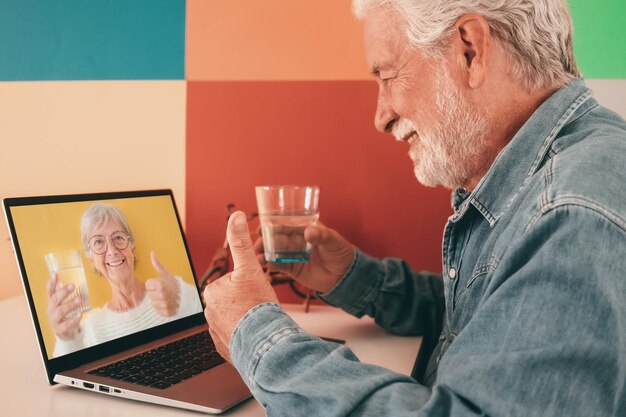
{"points": [[599, 37], [92, 39]]}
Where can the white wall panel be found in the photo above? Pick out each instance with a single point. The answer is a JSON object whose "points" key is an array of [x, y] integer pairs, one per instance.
{"points": [[610, 93]]}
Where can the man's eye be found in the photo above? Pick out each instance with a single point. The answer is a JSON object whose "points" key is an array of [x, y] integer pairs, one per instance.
{"points": [[386, 80]]}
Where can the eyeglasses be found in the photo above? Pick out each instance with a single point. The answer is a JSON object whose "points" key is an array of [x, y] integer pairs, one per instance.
{"points": [[98, 243]]}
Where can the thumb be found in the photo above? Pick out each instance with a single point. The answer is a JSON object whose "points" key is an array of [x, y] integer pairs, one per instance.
{"points": [[320, 235], [240, 242], [158, 266]]}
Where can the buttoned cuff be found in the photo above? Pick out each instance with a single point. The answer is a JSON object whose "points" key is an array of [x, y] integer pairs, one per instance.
{"points": [[260, 329]]}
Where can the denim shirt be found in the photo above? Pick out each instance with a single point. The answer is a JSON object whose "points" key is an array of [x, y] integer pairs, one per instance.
{"points": [[534, 283]]}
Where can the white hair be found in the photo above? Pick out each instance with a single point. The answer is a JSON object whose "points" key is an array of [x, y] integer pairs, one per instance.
{"points": [[98, 214], [536, 35]]}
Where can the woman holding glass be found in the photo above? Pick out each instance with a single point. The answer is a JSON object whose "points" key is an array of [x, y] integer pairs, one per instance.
{"points": [[109, 244]]}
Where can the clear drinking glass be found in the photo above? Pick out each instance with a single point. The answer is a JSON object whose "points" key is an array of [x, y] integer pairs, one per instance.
{"points": [[69, 267], [285, 211]]}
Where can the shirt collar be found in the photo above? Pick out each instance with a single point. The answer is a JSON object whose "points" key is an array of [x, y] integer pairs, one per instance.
{"points": [[524, 154]]}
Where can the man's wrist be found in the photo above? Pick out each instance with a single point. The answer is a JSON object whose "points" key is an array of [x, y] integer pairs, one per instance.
{"points": [[260, 329], [353, 290]]}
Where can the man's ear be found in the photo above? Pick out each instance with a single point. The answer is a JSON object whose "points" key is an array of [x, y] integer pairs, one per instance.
{"points": [[471, 43]]}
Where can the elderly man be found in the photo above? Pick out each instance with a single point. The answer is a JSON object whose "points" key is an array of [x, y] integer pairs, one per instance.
{"points": [[533, 294]]}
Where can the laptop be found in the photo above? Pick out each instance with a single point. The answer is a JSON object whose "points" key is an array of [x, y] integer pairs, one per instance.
{"points": [[95, 334]]}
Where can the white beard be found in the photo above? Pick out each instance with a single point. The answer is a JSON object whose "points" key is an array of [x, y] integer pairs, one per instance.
{"points": [[449, 151]]}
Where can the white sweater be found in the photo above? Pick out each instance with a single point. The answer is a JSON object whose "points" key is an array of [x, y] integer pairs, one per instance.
{"points": [[103, 324]]}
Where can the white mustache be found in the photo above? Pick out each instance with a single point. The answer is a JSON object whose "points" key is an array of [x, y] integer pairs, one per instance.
{"points": [[402, 128]]}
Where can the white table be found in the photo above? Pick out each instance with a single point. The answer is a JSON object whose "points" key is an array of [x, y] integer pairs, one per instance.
{"points": [[24, 389]]}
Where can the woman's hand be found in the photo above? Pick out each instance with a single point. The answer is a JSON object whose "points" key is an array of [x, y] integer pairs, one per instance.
{"points": [[163, 291], [59, 307]]}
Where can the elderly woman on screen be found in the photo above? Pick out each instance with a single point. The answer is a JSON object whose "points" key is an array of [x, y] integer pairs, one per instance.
{"points": [[109, 244]]}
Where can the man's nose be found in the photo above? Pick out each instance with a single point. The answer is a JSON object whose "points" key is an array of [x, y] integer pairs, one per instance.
{"points": [[385, 115]]}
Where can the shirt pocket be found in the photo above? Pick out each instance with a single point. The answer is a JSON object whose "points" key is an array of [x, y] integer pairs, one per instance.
{"points": [[471, 291]]}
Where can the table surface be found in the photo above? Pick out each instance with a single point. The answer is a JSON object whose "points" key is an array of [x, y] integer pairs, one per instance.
{"points": [[25, 391]]}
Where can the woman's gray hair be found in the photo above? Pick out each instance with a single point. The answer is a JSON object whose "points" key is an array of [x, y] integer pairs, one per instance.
{"points": [[535, 34], [98, 214]]}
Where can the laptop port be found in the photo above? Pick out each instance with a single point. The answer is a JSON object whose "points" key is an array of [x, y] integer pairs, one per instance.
{"points": [[88, 385], [103, 388], [117, 391]]}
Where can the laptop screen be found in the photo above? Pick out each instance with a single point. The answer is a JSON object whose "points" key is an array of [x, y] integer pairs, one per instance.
{"points": [[100, 269]]}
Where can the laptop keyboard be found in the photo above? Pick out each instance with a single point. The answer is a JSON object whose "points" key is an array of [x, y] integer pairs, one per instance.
{"points": [[166, 365]]}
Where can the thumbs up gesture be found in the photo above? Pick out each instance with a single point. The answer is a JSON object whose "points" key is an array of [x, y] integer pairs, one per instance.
{"points": [[163, 291], [230, 297]]}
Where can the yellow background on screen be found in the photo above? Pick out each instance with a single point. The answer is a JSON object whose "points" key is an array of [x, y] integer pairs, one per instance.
{"points": [[46, 228]]}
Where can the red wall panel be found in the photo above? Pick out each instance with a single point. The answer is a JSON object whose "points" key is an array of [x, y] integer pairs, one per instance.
{"points": [[242, 134]]}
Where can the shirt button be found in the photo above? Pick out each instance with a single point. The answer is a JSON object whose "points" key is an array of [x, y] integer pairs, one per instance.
{"points": [[452, 273]]}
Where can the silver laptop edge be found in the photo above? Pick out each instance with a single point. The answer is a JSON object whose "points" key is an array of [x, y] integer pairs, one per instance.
{"points": [[213, 391]]}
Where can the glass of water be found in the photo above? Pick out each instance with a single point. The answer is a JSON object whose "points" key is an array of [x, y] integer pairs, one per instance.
{"points": [[69, 267], [285, 211]]}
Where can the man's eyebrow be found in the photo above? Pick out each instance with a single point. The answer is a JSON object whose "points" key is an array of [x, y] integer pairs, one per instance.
{"points": [[377, 67]]}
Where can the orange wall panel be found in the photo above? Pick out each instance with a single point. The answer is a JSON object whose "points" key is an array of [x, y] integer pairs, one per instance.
{"points": [[274, 40], [243, 134]]}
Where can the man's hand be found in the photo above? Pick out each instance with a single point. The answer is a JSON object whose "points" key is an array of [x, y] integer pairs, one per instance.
{"points": [[59, 307], [163, 291], [230, 297], [331, 258]]}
